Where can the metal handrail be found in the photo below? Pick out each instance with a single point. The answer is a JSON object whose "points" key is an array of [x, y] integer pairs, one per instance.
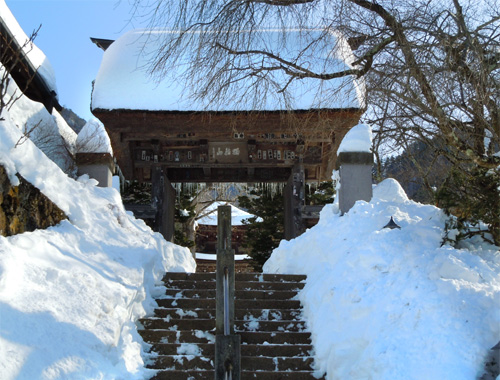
{"points": [[226, 301], [227, 352]]}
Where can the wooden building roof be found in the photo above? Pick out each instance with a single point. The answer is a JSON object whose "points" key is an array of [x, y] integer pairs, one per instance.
{"points": [[28, 76], [154, 123]]}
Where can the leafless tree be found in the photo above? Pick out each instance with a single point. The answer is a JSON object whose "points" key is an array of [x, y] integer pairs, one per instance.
{"points": [[195, 202], [42, 132], [431, 68], [10, 58]]}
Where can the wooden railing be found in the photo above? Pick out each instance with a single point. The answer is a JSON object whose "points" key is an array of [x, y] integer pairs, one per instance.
{"points": [[227, 343]]}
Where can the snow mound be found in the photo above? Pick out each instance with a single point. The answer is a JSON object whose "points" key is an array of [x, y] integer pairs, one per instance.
{"points": [[49, 132], [389, 190], [394, 304]]}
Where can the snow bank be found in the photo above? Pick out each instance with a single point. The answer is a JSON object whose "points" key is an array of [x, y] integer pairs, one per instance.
{"points": [[70, 295], [123, 80], [34, 54], [49, 132], [394, 304]]}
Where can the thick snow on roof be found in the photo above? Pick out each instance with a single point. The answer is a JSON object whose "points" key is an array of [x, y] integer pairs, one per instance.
{"points": [[34, 54], [237, 215], [93, 138], [49, 132], [123, 81]]}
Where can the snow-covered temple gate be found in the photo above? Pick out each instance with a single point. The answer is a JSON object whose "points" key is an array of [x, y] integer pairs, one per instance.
{"points": [[160, 135]]}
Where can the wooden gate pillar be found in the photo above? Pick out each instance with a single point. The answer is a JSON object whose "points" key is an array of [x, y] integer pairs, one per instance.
{"points": [[294, 196], [163, 201]]}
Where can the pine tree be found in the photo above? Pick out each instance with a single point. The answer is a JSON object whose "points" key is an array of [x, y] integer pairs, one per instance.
{"points": [[266, 229]]}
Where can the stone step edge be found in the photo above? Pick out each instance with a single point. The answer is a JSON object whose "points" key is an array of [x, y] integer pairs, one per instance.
{"points": [[174, 309], [260, 277], [190, 281], [205, 320]]}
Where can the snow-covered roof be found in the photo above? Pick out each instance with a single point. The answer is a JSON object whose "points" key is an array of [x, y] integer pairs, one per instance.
{"points": [[237, 215], [123, 80], [37, 58], [93, 138]]}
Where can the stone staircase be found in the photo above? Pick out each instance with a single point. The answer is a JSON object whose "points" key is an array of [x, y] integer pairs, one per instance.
{"points": [[274, 343]]}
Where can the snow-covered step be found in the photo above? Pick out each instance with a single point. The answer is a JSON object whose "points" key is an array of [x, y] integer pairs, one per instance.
{"points": [[260, 314], [209, 325], [248, 363], [259, 277], [200, 303], [239, 285], [239, 294], [207, 349], [245, 375], [248, 337]]}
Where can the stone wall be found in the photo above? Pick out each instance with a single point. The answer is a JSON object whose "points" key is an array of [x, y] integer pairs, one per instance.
{"points": [[24, 208]]}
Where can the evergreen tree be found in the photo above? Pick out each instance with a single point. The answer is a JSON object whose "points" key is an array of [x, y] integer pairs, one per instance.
{"points": [[266, 229], [321, 195], [184, 218]]}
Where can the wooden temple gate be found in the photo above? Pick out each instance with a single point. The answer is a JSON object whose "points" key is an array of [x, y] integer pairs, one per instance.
{"points": [[165, 147]]}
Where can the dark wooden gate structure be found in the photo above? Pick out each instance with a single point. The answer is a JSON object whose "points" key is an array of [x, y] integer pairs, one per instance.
{"points": [[210, 147]]}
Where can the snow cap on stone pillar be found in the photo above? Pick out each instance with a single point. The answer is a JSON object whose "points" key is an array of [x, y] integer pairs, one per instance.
{"points": [[357, 139], [355, 160], [94, 155]]}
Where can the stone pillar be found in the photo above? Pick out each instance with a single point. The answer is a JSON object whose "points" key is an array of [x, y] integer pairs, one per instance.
{"points": [[355, 178], [163, 201], [294, 197], [99, 166]]}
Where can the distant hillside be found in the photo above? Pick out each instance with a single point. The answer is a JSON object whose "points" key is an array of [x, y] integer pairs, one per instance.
{"points": [[417, 168], [74, 121]]}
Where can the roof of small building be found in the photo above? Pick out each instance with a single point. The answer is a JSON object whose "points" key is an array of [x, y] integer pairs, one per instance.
{"points": [[34, 55], [93, 138], [237, 215], [125, 83]]}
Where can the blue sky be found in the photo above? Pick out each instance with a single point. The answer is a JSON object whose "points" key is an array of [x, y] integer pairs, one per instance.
{"points": [[64, 37]]}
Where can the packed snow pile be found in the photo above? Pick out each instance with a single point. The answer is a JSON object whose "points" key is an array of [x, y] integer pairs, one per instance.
{"points": [[393, 303], [70, 294], [49, 132]]}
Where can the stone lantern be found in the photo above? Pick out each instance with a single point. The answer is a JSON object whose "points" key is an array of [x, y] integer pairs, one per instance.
{"points": [[94, 155]]}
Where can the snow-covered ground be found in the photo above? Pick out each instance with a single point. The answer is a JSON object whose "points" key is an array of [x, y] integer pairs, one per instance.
{"points": [[394, 304], [70, 295]]}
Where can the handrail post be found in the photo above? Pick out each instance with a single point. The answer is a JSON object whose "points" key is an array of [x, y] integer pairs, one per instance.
{"points": [[227, 343]]}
